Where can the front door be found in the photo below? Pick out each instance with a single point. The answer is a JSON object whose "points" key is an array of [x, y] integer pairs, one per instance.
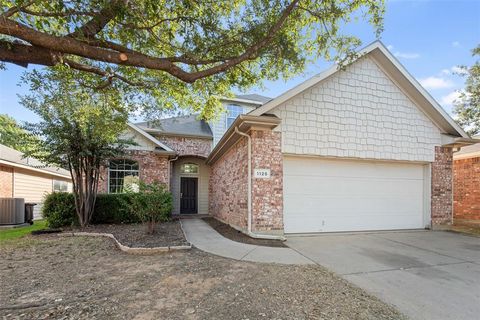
{"points": [[188, 195]]}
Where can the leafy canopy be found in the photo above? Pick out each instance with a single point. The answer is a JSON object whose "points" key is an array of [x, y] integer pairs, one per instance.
{"points": [[14, 136], [467, 107], [170, 53]]}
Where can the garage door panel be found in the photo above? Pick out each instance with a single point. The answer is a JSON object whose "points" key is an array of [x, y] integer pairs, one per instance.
{"points": [[316, 201]]}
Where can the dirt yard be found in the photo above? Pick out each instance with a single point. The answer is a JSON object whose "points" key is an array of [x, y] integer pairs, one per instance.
{"points": [[51, 277]]}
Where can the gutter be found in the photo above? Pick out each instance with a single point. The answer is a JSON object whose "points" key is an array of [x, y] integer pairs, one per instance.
{"points": [[249, 195]]}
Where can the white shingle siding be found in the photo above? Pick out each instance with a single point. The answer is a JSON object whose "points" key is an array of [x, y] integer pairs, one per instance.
{"points": [[357, 113]]}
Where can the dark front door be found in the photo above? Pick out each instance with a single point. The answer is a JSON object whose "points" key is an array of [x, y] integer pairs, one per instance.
{"points": [[188, 195]]}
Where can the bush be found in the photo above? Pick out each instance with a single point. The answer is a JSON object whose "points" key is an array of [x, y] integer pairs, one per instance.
{"points": [[59, 208], [152, 204], [114, 208]]}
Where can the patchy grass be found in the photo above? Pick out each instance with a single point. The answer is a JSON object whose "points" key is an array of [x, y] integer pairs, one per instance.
{"points": [[15, 233]]}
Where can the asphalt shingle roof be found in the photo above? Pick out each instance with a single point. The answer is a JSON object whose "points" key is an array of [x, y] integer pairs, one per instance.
{"points": [[16, 157], [254, 97], [183, 125]]}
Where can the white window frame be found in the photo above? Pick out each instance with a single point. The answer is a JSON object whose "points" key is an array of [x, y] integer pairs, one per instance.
{"points": [[137, 172], [233, 111], [63, 185]]}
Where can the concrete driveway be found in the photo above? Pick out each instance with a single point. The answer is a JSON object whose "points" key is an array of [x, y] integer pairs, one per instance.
{"points": [[425, 274]]}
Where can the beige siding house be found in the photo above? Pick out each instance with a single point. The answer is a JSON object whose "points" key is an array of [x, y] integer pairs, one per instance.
{"points": [[30, 179]]}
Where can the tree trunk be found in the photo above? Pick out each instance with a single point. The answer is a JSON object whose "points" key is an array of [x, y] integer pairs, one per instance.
{"points": [[85, 174]]}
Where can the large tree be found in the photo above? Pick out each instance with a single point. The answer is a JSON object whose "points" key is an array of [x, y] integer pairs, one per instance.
{"points": [[467, 107], [79, 130], [14, 136], [181, 52]]}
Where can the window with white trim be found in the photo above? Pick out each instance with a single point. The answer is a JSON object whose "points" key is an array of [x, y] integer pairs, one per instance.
{"points": [[233, 112], [189, 168], [60, 186], [122, 176]]}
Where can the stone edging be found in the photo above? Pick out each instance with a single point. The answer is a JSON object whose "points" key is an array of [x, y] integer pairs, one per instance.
{"points": [[124, 248]]}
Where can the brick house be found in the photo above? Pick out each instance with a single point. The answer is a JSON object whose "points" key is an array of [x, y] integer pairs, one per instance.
{"points": [[466, 183], [365, 148]]}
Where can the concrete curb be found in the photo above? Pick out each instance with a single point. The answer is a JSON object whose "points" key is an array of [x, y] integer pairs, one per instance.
{"points": [[126, 249]]}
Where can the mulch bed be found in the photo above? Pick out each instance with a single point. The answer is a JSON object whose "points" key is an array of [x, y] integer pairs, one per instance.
{"points": [[235, 235], [166, 234]]}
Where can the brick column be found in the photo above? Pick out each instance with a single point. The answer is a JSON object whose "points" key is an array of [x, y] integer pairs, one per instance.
{"points": [[466, 188], [267, 194], [442, 196]]}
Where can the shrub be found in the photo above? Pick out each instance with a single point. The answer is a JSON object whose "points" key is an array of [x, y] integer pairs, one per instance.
{"points": [[114, 208], [152, 204], [59, 210]]}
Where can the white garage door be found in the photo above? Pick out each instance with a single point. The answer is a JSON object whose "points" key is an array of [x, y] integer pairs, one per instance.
{"points": [[342, 195]]}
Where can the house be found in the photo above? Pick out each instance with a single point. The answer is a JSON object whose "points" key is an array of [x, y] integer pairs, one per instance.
{"points": [[30, 179], [466, 183], [364, 148]]}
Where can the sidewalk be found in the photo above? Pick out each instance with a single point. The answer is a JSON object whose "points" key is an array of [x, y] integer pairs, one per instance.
{"points": [[205, 238]]}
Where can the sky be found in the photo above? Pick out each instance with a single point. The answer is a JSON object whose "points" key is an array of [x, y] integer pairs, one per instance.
{"points": [[429, 37]]}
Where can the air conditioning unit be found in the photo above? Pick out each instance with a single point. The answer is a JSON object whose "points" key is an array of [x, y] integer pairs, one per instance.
{"points": [[12, 211]]}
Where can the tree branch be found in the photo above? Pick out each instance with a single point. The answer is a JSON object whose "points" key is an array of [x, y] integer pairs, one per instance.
{"points": [[69, 45]]}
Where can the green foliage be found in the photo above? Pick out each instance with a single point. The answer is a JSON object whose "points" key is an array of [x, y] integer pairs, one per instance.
{"points": [[14, 136], [152, 204], [80, 130], [114, 208], [467, 107], [59, 209], [195, 37]]}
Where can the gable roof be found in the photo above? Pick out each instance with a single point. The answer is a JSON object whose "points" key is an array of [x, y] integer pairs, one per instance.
{"points": [[397, 73], [14, 158], [149, 137], [188, 125], [254, 97]]}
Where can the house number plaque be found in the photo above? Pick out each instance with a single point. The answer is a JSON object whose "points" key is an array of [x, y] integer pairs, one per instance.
{"points": [[261, 173]]}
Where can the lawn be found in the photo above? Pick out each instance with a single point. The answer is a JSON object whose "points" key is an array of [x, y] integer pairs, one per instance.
{"points": [[89, 278], [15, 233]]}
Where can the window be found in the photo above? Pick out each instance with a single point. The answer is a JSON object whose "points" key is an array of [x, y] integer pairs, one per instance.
{"points": [[233, 112], [189, 168], [122, 174], [60, 186]]}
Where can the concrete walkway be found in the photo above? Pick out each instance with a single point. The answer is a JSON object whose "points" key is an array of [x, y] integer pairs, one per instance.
{"points": [[205, 238]]}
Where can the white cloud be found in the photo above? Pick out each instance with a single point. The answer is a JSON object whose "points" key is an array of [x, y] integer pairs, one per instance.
{"points": [[404, 55], [453, 70], [456, 44], [435, 83], [450, 98]]}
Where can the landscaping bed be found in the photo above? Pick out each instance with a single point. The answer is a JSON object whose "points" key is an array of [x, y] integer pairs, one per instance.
{"points": [[47, 277], [167, 234], [235, 235]]}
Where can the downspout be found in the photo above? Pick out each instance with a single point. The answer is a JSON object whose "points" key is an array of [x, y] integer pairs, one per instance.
{"points": [[249, 190], [170, 171]]}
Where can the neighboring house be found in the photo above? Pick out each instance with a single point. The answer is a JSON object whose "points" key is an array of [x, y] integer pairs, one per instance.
{"points": [[30, 179], [365, 148], [466, 187]]}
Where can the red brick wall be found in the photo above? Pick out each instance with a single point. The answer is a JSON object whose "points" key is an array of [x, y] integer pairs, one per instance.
{"points": [[267, 194], [186, 146], [152, 167], [466, 188], [442, 197], [228, 186], [6, 182]]}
